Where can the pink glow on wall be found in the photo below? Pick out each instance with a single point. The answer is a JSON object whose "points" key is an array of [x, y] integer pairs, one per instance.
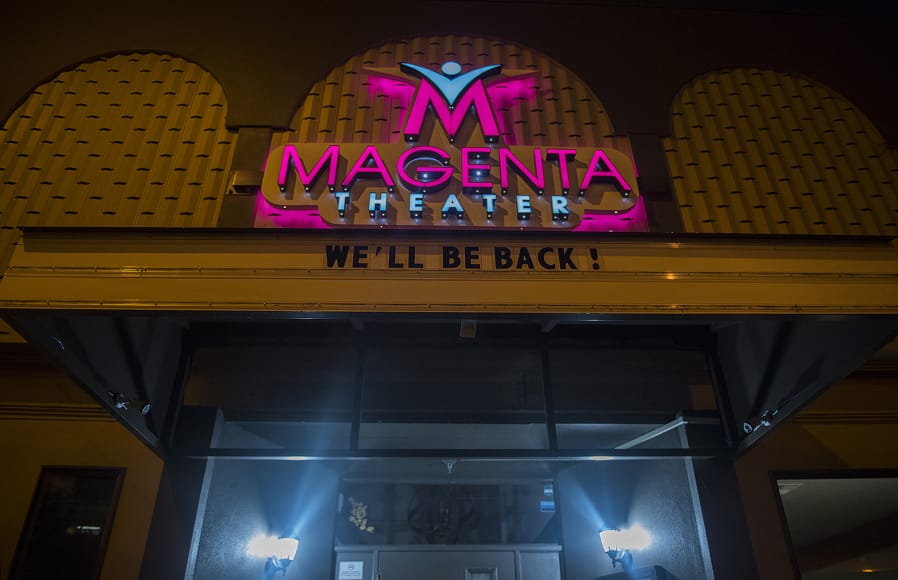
{"points": [[599, 160], [269, 216], [506, 97], [634, 220], [397, 96]]}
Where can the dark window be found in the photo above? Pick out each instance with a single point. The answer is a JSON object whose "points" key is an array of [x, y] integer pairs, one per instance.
{"points": [[273, 381], [453, 396], [312, 386], [635, 397], [68, 525], [277, 395], [415, 381], [633, 380]]}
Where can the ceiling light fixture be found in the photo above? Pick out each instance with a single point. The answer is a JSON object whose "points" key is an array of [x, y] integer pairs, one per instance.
{"points": [[619, 544]]}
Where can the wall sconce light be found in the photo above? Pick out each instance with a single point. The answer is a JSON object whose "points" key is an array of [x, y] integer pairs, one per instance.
{"points": [[280, 552], [618, 544]]}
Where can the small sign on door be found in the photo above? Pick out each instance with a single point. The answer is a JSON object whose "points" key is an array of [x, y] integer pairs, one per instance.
{"points": [[351, 571]]}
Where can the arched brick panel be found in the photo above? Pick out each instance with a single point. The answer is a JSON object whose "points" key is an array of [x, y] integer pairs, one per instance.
{"points": [[125, 140], [759, 151]]}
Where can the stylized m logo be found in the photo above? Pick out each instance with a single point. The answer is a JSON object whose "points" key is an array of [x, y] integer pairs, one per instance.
{"points": [[451, 96]]}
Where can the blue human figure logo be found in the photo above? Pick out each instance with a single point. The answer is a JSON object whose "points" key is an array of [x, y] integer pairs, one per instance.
{"points": [[449, 81], [447, 89]]}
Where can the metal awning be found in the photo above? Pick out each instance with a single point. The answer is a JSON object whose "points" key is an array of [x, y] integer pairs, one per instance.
{"points": [[788, 316]]}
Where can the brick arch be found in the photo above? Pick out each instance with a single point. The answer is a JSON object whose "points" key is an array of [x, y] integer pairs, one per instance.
{"points": [[761, 151], [351, 105], [133, 139]]}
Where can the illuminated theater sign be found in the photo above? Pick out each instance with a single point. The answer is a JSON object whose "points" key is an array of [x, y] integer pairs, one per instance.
{"points": [[451, 168]]}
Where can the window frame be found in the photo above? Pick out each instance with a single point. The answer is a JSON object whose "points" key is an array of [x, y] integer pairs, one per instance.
{"points": [[38, 501]]}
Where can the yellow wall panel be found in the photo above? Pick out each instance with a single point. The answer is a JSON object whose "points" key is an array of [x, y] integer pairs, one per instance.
{"points": [[758, 151], [125, 140], [84, 440]]}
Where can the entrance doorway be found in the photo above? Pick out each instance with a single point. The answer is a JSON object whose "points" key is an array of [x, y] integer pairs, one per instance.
{"points": [[391, 448]]}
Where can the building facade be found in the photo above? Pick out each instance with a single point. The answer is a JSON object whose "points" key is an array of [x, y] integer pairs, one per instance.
{"points": [[449, 303]]}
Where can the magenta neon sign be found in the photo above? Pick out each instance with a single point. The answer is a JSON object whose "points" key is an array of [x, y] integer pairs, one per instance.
{"points": [[451, 95], [451, 170]]}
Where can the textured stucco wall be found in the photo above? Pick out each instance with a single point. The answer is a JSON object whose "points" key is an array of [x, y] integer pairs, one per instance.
{"points": [[653, 494], [247, 498]]}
